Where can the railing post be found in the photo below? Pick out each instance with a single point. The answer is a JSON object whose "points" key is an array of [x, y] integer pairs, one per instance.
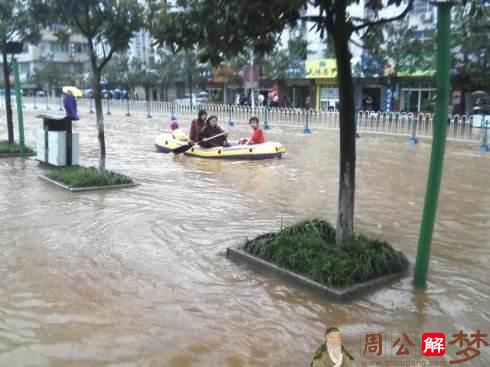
{"points": [[61, 102], [230, 121], [266, 123], [148, 114], [413, 134], [47, 102], [306, 129], [90, 105], [484, 146], [128, 113], [172, 108], [357, 126], [108, 107], [35, 106]]}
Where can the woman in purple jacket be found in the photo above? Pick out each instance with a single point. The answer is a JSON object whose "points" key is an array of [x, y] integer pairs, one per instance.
{"points": [[70, 104]]}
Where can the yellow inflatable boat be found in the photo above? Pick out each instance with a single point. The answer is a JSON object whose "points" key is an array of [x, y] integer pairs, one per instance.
{"points": [[166, 143]]}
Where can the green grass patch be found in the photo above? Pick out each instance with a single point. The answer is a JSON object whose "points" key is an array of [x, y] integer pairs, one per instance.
{"points": [[6, 148], [308, 248], [77, 176]]}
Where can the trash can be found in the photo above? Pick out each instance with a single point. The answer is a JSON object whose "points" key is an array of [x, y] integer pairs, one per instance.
{"points": [[56, 143]]}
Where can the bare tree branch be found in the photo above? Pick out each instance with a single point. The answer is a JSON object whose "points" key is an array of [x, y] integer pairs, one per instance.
{"points": [[279, 37], [102, 44], [106, 60], [356, 44], [313, 18]]}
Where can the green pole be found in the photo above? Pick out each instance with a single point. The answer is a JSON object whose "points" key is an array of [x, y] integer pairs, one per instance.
{"points": [[20, 116], [443, 62]]}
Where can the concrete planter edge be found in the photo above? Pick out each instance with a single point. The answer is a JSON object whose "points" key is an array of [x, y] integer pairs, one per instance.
{"points": [[338, 294], [90, 188]]}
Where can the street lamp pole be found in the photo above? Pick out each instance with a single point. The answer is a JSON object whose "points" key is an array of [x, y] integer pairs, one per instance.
{"points": [[20, 113], [252, 98], [443, 62]]}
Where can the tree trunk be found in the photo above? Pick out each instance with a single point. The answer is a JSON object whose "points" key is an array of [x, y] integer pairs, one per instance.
{"points": [[99, 115], [347, 175], [8, 101]]}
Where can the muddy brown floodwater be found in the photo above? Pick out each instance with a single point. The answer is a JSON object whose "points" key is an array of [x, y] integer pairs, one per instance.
{"points": [[138, 277]]}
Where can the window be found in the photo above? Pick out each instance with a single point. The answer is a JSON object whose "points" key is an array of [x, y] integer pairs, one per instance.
{"points": [[24, 67], [417, 99], [57, 47], [54, 28], [421, 6], [328, 93], [422, 35]]}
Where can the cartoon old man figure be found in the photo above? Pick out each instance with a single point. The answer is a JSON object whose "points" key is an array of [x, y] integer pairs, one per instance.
{"points": [[332, 353]]}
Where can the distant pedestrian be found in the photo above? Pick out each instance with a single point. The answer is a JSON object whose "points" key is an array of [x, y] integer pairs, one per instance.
{"points": [[308, 102], [260, 99], [369, 103], [70, 104], [285, 102], [275, 101]]}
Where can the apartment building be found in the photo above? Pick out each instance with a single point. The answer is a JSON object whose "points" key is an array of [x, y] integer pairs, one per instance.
{"points": [[72, 56]]}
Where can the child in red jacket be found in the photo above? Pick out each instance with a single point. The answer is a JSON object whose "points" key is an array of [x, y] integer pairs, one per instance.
{"points": [[257, 133]]}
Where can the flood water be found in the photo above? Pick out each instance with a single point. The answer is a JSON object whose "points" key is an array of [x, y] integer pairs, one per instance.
{"points": [[138, 277]]}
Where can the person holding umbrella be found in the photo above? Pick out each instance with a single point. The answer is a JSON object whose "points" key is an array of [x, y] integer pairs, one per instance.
{"points": [[70, 104]]}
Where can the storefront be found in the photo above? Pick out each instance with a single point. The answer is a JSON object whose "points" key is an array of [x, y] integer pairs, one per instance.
{"points": [[297, 93], [417, 96], [416, 90], [324, 73]]}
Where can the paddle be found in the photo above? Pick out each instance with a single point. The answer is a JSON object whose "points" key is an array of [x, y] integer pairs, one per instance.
{"points": [[186, 147]]}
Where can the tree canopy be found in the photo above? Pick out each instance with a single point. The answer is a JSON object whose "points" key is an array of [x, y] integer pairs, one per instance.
{"points": [[18, 22], [230, 25], [51, 75], [397, 48], [471, 46]]}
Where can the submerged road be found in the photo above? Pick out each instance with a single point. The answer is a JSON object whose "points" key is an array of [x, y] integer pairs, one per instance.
{"points": [[138, 277]]}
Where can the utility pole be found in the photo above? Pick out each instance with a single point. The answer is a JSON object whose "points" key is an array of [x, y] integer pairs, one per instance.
{"points": [[443, 62]]}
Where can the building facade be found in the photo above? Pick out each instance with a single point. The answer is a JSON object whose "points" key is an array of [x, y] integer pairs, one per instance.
{"points": [[71, 56]]}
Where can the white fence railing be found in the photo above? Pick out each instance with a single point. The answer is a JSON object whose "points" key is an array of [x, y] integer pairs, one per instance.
{"points": [[460, 127]]}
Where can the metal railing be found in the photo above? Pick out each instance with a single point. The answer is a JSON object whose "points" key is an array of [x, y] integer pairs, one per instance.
{"points": [[412, 125]]}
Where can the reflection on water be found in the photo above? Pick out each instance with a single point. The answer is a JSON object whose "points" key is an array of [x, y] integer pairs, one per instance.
{"points": [[138, 277]]}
